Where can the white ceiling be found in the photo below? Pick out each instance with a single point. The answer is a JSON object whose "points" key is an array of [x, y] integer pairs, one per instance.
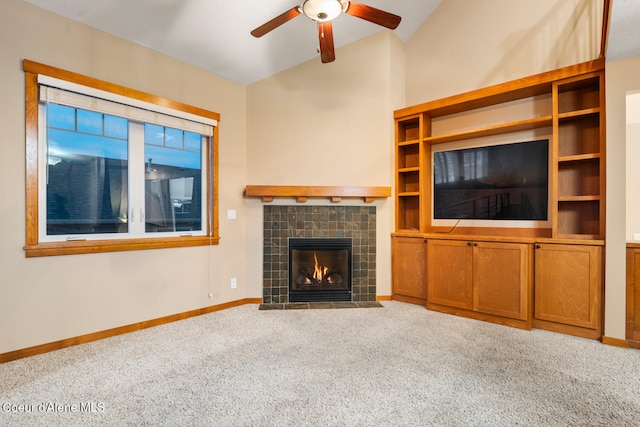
{"points": [[214, 34], [624, 31]]}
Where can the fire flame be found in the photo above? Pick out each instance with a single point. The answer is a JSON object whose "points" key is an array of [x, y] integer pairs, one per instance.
{"points": [[319, 271]]}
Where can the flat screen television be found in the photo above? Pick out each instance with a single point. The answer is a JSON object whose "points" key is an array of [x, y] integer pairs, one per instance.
{"points": [[497, 182]]}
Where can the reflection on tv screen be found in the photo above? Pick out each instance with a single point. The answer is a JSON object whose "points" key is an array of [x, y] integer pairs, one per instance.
{"points": [[499, 182]]}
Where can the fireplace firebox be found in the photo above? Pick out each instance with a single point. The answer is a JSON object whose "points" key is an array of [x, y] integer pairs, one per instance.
{"points": [[320, 269]]}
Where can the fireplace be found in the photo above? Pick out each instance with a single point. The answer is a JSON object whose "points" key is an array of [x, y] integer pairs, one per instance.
{"points": [[285, 222], [319, 269]]}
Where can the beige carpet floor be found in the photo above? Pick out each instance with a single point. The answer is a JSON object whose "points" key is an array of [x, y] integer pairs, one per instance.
{"points": [[392, 366]]}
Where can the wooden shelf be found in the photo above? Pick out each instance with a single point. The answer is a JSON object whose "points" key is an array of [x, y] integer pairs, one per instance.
{"points": [[579, 113], [579, 94], [578, 157], [410, 142], [536, 123], [589, 238], [410, 169], [302, 193], [408, 130], [577, 198]]}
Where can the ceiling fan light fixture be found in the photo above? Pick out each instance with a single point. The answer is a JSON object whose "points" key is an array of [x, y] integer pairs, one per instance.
{"points": [[323, 10]]}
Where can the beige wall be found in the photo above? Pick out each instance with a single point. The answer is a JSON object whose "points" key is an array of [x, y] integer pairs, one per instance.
{"points": [[468, 45], [328, 124], [623, 77], [52, 298], [632, 139]]}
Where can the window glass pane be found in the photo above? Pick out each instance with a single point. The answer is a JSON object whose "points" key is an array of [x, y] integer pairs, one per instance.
{"points": [[173, 188], [192, 141], [173, 138], [66, 144], [171, 156], [87, 183], [89, 122], [116, 127], [153, 134], [61, 117]]}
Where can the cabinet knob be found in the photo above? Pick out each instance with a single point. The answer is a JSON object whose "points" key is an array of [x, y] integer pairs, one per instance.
{"points": [[468, 243], [475, 243], [537, 245]]}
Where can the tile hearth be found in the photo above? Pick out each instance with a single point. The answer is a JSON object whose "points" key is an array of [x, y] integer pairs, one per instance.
{"points": [[319, 305], [284, 221]]}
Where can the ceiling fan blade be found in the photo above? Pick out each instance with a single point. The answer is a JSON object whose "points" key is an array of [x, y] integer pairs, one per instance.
{"points": [[276, 22], [325, 35], [374, 15]]}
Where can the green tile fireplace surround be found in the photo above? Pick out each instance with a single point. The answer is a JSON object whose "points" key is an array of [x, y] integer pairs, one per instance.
{"points": [[282, 222]]}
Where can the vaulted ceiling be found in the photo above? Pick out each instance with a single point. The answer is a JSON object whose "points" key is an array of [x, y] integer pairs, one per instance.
{"points": [[215, 35]]}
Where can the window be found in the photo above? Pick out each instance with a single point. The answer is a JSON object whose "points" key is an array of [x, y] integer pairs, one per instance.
{"points": [[111, 169]]}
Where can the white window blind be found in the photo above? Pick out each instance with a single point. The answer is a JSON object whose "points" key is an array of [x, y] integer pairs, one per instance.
{"points": [[79, 96]]}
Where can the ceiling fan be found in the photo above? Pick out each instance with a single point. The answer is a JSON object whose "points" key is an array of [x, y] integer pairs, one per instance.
{"points": [[325, 11]]}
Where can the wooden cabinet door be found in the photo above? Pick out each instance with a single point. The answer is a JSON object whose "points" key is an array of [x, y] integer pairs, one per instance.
{"points": [[633, 297], [449, 273], [501, 279], [568, 284], [408, 260]]}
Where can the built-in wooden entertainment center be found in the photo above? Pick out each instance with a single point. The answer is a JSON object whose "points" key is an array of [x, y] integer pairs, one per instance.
{"points": [[524, 274]]}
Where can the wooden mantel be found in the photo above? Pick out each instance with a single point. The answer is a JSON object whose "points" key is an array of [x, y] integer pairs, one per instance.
{"points": [[302, 193]]}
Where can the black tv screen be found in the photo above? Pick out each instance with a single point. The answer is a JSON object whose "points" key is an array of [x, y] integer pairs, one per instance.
{"points": [[499, 182]]}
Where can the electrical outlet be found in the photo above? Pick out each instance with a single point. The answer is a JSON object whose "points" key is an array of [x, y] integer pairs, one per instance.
{"points": [[636, 236], [234, 283], [231, 214]]}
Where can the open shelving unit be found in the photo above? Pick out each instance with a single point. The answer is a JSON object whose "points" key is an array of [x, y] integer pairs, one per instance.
{"points": [[579, 157], [410, 172], [575, 99]]}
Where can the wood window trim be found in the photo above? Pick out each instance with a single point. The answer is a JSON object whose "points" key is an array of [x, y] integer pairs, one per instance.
{"points": [[35, 248]]}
